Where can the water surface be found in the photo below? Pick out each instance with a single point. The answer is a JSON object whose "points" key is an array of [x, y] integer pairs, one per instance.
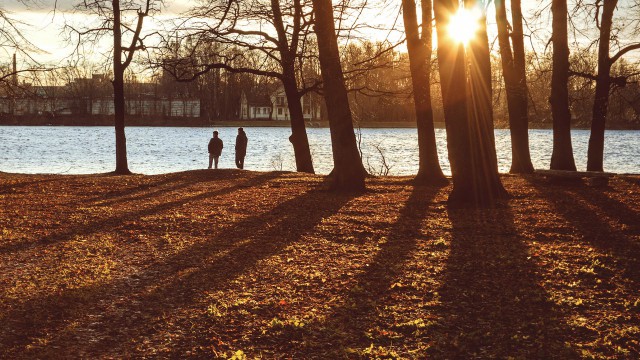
{"points": [[156, 150]]}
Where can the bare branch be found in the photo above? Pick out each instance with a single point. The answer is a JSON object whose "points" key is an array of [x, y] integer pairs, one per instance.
{"points": [[623, 51]]}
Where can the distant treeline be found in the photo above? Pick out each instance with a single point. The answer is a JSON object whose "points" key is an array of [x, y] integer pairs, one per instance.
{"points": [[380, 91], [384, 92], [98, 120]]}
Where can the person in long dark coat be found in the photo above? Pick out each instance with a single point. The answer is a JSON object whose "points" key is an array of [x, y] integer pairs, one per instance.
{"points": [[241, 148], [215, 149]]}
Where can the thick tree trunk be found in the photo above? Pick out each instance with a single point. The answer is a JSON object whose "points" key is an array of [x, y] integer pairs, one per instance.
{"points": [[487, 184], [298, 138], [453, 80], [595, 154], [562, 155], [348, 172], [513, 69], [429, 171], [468, 119], [118, 94]]}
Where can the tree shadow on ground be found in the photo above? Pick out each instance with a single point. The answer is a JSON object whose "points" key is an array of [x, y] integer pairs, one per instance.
{"points": [[115, 222], [9, 188], [491, 303], [346, 327], [156, 185], [635, 180], [113, 319], [600, 197], [599, 219]]}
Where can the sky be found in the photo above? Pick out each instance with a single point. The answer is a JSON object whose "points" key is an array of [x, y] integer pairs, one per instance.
{"points": [[42, 22], [44, 27]]}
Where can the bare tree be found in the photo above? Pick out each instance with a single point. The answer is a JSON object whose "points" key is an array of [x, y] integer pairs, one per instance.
{"points": [[123, 21], [379, 82], [604, 82], [468, 114], [348, 172], [562, 155], [13, 43], [276, 30], [488, 186], [11, 38], [419, 46], [515, 79], [383, 167]]}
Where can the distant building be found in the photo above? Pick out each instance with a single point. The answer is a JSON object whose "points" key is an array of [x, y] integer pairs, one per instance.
{"points": [[94, 96], [310, 106], [27, 100], [276, 107], [257, 107], [149, 107]]}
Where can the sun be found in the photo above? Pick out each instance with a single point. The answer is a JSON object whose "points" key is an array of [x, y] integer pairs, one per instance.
{"points": [[463, 25]]}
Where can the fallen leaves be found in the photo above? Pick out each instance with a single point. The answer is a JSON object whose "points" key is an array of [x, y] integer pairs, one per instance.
{"points": [[237, 265]]}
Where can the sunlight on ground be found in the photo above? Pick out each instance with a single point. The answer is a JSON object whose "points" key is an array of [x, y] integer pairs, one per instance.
{"points": [[464, 25], [241, 264]]}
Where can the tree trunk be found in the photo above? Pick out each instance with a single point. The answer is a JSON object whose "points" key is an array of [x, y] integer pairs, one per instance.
{"points": [[348, 172], [562, 155], [429, 171], [515, 80], [298, 138], [487, 184], [595, 154], [453, 79], [468, 119], [118, 94]]}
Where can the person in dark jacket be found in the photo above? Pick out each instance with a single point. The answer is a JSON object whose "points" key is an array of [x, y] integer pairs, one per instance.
{"points": [[215, 149], [241, 148]]}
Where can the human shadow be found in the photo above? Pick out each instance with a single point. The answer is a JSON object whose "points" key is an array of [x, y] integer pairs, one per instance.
{"points": [[9, 188], [171, 284], [347, 325], [115, 222], [587, 210], [491, 303], [156, 185]]}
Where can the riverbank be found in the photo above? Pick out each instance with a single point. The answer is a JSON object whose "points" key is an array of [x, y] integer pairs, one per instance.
{"points": [[270, 265], [103, 120]]}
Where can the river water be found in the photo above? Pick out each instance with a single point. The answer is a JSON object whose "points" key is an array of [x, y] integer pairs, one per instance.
{"points": [[156, 150]]}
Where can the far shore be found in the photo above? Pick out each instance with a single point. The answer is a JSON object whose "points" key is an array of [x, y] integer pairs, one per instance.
{"points": [[137, 121], [197, 122]]}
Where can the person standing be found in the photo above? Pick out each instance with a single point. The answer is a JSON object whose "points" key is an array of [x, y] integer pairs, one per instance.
{"points": [[241, 148], [215, 149]]}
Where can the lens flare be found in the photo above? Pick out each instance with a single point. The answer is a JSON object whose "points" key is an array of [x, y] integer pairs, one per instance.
{"points": [[463, 25]]}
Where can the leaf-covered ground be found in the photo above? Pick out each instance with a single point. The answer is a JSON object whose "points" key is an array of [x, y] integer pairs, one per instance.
{"points": [[221, 264]]}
